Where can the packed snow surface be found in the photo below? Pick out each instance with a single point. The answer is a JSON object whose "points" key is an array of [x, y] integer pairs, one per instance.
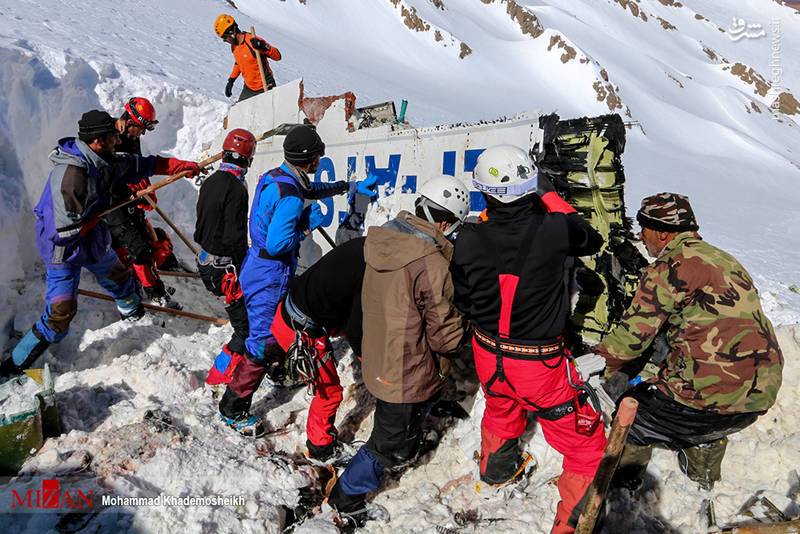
{"points": [[699, 97]]}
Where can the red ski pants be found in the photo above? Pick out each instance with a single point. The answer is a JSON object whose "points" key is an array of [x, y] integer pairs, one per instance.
{"points": [[543, 384], [322, 413]]}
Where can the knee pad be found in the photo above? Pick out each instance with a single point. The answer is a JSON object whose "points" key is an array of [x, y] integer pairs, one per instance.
{"points": [[61, 314]]}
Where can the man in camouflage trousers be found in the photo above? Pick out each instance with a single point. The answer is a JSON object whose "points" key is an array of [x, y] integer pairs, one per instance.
{"points": [[723, 367]]}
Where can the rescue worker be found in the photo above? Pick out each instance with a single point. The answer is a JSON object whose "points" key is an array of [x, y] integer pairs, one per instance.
{"points": [[132, 236], [723, 366], [72, 236], [510, 276], [282, 214], [322, 302], [221, 231], [410, 329], [246, 49]]}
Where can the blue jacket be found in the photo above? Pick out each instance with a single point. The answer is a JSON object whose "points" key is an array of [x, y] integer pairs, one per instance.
{"points": [[79, 189], [279, 214]]}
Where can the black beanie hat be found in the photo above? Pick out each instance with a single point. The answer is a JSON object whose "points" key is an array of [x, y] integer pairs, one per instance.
{"points": [[302, 145], [94, 124]]}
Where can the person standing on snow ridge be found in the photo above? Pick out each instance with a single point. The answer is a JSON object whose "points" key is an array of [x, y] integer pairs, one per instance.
{"points": [[410, 330], [246, 48], [723, 368], [221, 231], [281, 216], [511, 283], [132, 236], [71, 235], [324, 301]]}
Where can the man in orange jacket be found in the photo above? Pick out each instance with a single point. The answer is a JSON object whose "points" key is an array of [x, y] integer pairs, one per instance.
{"points": [[246, 49]]}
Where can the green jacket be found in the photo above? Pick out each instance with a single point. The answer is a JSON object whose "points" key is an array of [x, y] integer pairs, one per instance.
{"points": [[723, 352]]}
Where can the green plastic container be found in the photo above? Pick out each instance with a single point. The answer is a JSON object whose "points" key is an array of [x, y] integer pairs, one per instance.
{"points": [[22, 432]]}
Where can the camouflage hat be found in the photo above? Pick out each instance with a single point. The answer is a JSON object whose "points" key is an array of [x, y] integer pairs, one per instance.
{"points": [[667, 212]]}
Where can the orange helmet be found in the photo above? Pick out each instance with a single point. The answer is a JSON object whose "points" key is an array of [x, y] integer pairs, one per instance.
{"points": [[223, 24], [142, 112]]}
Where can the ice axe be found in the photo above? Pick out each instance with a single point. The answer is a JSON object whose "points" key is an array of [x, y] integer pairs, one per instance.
{"points": [[281, 129]]}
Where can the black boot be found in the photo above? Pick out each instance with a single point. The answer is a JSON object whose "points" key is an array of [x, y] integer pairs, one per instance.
{"points": [[234, 406], [28, 349]]}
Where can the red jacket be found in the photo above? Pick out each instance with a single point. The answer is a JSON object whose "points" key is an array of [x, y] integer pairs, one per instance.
{"points": [[247, 65]]}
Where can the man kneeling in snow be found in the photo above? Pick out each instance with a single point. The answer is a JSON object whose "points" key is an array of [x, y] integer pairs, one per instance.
{"points": [[724, 365], [70, 234]]}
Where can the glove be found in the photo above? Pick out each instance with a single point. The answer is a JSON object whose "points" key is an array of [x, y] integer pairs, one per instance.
{"points": [[312, 217], [550, 198], [173, 166], [590, 364], [365, 186], [544, 185], [141, 186], [616, 385], [229, 87], [260, 44]]}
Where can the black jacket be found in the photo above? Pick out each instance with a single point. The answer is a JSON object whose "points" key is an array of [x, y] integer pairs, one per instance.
{"points": [[221, 227], [482, 251], [329, 292]]}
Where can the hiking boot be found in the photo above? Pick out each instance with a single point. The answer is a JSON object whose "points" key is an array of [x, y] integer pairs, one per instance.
{"points": [[135, 315], [276, 377], [525, 468], [632, 466], [245, 424], [334, 453], [166, 302], [428, 442], [703, 463], [160, 295], [350, 521]]}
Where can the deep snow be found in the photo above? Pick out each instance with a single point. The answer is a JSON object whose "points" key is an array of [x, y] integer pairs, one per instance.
{"points": [[697, 133]]}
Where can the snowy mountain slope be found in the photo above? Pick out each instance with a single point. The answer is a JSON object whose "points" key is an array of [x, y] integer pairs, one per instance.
{"points": [[700, 133]]}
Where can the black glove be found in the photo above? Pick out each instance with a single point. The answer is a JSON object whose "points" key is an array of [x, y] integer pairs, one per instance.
{"points": [[616, 385], [259, 44], [543, 185], [229, 87]]}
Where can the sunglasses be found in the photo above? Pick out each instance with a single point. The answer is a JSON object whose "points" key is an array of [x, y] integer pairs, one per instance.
{"points": [[141, 121]]}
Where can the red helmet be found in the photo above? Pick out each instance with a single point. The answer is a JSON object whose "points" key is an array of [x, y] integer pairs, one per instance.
{"points": [[241, 142], [142, 112]]}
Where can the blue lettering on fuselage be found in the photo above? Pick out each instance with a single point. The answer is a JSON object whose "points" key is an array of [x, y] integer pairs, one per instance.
{"points": [[387, 177]]}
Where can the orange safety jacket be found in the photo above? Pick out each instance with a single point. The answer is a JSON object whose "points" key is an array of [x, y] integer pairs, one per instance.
{"points": [[247, 65]]}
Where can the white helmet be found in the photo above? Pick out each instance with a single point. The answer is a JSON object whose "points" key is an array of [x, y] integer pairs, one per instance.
{"points": [[505, 173], [444, 193]]}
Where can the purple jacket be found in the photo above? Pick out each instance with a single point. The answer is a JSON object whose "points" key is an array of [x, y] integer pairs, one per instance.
{"points": [[78, 189]]}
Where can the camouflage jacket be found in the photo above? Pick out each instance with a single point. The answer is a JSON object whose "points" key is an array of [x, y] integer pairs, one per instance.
{"points": [[723, 354]]}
